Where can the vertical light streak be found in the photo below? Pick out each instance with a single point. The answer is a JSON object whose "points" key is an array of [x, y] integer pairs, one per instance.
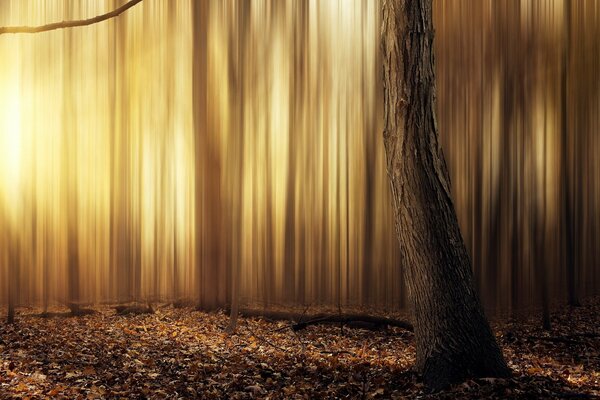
{"points": [[293, 154]]}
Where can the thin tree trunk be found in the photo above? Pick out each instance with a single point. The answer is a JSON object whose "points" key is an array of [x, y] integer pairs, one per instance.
{"points": [[269, 231], [369, 215], [237, 209], [13, 279], [46, 263], [541, 264], [70, 180], [453, 338], [322, 274], [208, 169], [172, 21], [113, 68], [495, 225], [289, 267], [294, 142], [301, 92], [567, 212], [175, 254]]}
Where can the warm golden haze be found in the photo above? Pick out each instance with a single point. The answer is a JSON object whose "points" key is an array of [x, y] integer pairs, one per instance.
{"points": [[108, 186]]}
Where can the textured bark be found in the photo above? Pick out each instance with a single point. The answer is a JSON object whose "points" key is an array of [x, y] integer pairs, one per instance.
{"points": [[453, 338]]}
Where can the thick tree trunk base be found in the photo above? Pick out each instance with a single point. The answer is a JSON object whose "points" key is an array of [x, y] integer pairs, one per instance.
{"points": [[443, 369]]}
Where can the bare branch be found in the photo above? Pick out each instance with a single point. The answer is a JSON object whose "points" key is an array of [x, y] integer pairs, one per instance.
{"points": [[69, 24]]}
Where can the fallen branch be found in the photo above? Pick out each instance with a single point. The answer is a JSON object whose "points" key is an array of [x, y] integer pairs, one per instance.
{"points": [[263, 339], [357, 320], [301, 321]]}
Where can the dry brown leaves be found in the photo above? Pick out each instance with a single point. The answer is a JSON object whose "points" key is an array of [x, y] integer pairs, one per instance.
{"points": [[179, 353]]}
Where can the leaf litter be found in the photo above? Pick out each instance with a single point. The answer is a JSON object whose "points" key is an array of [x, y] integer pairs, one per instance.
{"points": [[181, 353]]}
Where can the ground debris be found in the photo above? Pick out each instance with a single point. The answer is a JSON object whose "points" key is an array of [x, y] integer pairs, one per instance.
{"points": [[127, 309], [181, 353]]}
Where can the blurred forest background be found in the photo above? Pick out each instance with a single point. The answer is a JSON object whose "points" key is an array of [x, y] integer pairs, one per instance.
{"points": [[159, 154]]}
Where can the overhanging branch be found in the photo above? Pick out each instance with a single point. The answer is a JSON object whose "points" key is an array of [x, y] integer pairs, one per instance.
{"points": [[69, 24]]}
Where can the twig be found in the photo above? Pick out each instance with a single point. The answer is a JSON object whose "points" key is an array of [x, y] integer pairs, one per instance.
{"points": [[69, 24], [300, 340], [264, 340], [345, 319]]}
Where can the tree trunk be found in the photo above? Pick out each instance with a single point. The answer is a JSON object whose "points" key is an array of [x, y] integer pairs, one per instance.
{"points": [[541, 244], [566, 196], [236, 213], [70, 174], [289, 266], [208, 171], [13, 278], [453, 338], [46, 263]]}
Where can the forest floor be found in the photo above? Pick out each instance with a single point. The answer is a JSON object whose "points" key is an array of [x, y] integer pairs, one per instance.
{"points": [[179, 353]]}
